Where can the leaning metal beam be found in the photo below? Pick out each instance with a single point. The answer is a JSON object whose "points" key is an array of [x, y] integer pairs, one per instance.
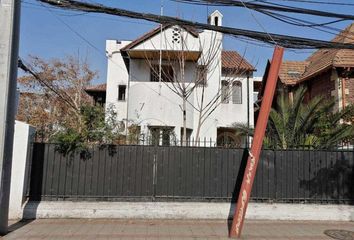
{"points": [[254, 154]]}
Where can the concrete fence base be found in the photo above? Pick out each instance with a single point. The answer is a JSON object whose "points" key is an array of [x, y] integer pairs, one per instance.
{"points": [[21, 161], [185, 210]]}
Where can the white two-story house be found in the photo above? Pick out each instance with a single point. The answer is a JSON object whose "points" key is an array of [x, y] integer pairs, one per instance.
{"points": [[178, 83]]}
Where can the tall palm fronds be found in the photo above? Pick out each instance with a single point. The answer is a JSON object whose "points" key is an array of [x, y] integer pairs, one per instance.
{"points": [[294, 124]]}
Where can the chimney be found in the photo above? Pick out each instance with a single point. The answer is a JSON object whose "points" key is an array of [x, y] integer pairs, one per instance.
{"points": [[215, 18]]}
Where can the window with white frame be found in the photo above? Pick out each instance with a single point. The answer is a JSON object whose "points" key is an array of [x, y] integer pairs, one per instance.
{"points": [[237, 92]]}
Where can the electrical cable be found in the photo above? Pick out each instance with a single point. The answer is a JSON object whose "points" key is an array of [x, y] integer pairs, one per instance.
{"points": [[27, 69], [271, 7], [282, 40]]}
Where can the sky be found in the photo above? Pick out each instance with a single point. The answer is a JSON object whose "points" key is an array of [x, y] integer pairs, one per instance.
{"points": [[48, 33]]}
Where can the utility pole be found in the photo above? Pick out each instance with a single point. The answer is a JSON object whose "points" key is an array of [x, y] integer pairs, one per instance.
{"points": [[9, 40], [254, 153]]}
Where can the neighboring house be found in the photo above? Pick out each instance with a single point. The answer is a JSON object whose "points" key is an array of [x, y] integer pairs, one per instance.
{"points": [[98, 93], [327, 72], [145, 94]]}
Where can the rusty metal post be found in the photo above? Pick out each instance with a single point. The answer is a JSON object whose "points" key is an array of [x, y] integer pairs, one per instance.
{"points": [[254, 154]]}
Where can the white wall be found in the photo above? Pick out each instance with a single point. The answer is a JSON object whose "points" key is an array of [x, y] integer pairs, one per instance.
{"points": [[230, 113], [20, 167], [211, 55], [154, 104], [117, 74]]}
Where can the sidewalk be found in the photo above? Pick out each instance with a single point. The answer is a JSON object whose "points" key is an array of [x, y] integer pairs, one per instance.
{"points": [[173, 229]]}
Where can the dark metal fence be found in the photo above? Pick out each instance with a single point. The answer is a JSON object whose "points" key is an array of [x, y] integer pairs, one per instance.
{"points": [[190, 174]]}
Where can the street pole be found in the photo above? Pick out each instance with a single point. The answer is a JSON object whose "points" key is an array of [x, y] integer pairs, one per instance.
{"points": [[9, 40], [254, 153], [248, 111]]}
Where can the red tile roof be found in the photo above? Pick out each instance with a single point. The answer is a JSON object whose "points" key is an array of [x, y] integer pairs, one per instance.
{"points": [[291, 71], [326, 58], [321, 60], [231, 60]]}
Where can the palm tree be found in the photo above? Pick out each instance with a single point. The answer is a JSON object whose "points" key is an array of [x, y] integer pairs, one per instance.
{"points": [[294, 124]]}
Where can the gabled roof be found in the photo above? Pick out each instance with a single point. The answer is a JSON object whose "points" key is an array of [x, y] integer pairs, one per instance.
{"points": [[322, 59], [155, 31], [231, 60], [326, 58]]}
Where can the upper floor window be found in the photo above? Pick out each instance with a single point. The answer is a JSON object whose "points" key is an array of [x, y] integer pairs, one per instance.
{"points": [[167, 73], [201, 76], [121, 92], [237, 92], [224, 91]]}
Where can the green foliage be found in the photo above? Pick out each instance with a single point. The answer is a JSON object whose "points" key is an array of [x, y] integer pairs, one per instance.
{"points": [[97, 126], [68, 141], [294, 124]]}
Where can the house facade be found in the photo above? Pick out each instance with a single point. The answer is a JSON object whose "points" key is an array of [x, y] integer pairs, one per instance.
{"points": [[176, 80], [327, 72]]}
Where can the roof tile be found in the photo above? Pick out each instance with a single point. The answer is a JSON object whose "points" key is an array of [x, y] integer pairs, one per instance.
{"points": [[231, 60], [291, 71]]}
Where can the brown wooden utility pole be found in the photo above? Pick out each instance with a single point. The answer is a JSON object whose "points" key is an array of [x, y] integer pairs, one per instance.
{"points": [[252, 161]]}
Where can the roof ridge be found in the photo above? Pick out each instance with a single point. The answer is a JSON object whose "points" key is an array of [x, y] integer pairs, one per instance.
{"points": [[154, 31]]}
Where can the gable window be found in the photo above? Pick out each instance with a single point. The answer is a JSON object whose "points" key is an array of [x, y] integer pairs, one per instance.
{"points": [[121, 92], [201, 78], [224, 92], [237, 93], [167, 73]]}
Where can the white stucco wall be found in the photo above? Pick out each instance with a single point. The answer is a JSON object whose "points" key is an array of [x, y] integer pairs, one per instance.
{"points": [[230, 113], [117, 74], [154, 104]]}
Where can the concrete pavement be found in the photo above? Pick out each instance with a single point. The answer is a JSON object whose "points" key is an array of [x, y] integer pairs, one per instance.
{"points": [[175, 229]]}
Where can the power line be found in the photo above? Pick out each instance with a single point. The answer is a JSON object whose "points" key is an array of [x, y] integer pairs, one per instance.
{"points": [[31, 5], [109, 59], [284, 18], [283, 40], [310, 2], [27, 69], [304, 23], [258, 22], [271, 7]]}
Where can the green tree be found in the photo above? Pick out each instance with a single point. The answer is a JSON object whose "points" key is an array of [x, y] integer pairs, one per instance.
{"points": [[294, 124], [98, 127]]}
